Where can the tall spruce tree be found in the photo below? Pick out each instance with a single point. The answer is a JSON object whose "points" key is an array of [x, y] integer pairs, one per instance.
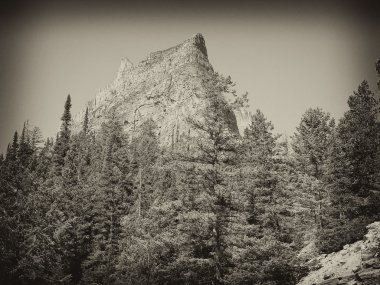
{"points": [[312, 148], [377, 66], [12, 169], [25, 150], [214, 156], [10, 211], [312, 141], [266, 249], [258, 155], [14, 147], [85, 123], [357, 134], [62, 143], [353, 172], [109, 204]]}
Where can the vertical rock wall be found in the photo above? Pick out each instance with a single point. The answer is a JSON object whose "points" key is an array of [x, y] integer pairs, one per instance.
{"points": [[168, 87]]}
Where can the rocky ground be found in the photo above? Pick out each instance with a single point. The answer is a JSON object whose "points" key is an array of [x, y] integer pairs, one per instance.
{"points": [[357, 263]]}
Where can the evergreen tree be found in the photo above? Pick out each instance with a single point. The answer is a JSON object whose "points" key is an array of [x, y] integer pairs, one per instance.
{"points": [[312, 147], [358, 137], [110, 204], [11, 171], [8, 151], [312, 141], [377, 66], [70, 171], [16, 186], [44, 161], [266, 254], [9, 207], [259, 147], [62, 143], [214, 156], [85, 123], [353, 172], [14, 148], [25, 150]]}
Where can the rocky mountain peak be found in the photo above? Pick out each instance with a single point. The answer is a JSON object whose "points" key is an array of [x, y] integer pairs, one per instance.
{"points": [[125, 65], [194, 45], [168, 87], [199, 43]]}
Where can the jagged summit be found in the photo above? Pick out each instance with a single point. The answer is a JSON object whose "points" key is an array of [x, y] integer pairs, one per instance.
{"points": [[168, 87], [125, 65], [194, 44], [190, 46], [198, 42], [191, 51]]}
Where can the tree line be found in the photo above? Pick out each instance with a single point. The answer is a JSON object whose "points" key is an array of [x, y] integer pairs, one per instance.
{"points": [[214, 208]]}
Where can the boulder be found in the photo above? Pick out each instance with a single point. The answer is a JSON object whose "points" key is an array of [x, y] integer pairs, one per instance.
{"points": [[369, 263], [366, 256], [356, 269]]}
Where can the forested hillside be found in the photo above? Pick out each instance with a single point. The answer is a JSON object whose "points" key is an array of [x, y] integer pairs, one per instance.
{"points": [[112, 207]]}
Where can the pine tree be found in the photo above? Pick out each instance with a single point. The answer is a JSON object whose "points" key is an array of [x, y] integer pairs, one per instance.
{"points": [[357, 135], [17, 184], [110, 204], [12, 170], [44, 161], [62, 143], [378, 92], [266, 254], [14, 147], [8, 151], [214, 155], [85, 123], [70, 171], [10, 212], [25, 150], [353, 172], [312, 147], [35, 138], [259, 148], [377, 66], [312, 141]]}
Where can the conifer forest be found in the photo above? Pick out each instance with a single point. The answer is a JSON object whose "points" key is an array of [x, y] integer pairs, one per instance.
{"points": [[108, 206]]}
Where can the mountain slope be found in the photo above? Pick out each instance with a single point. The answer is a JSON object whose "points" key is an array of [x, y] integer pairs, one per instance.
{"points": [[357, 261]]}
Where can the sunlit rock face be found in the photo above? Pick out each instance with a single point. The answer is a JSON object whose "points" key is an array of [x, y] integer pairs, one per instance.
{"points": [[168, 87], [243, 119], [357, 263]]}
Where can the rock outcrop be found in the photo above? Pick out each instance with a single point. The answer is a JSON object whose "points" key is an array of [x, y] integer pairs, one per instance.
{"points": [[357, 263], [168, 87]]}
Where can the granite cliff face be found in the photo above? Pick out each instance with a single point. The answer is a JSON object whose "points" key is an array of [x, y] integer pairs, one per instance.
{"points": [[168, 87]]}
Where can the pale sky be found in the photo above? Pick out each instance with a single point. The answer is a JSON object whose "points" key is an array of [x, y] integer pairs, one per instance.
{"points": [[288, 57]]}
